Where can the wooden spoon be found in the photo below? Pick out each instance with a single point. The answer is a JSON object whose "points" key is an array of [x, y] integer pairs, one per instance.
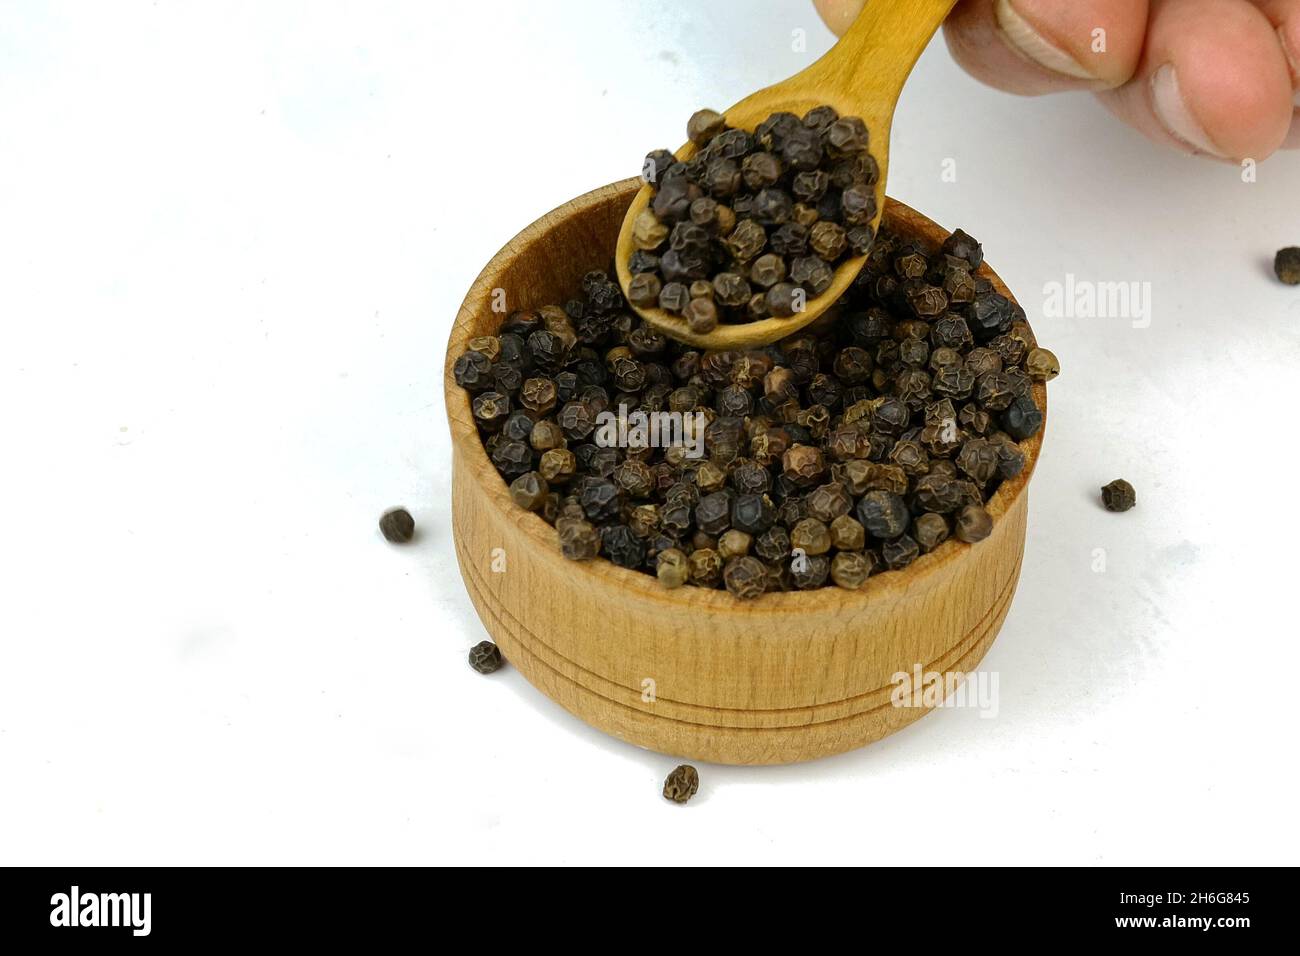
{"points": [[862, 75]]}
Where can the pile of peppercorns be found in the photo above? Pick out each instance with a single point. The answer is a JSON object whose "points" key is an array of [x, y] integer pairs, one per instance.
{"points": [[828, 457], [754, 223]]}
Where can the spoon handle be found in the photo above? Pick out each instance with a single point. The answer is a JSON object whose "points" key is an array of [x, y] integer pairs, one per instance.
{"points": [[871, 62]]}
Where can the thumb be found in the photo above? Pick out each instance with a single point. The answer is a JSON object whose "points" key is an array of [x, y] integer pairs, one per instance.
{"points": [[1033, 46]]}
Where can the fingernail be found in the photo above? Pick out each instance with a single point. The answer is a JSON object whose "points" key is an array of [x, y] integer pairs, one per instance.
{"points": [[1031, 44], [1171, 109]]}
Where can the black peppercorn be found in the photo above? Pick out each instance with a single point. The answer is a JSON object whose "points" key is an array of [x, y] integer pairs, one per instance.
{"points": [[731, 289], [773, 544], [803, 464], [847, 135], [983, 361], [734, 544], [538, 395], [579, 540], [973, 524], [656, 164], [1041, 365], [890, 416], [760, 170], [644, 289], [772, 207], [767, 270], [860, 239], [746, 240], [397, 525], [713, 513], [812, 273], [546, 347], [1118, 495], [622, 546], [600, 499], [671, 568], [1286, 264], [929, 531], [674, 297], [745, 577], [751, 513], [819, 118], [485, 657], [847, 534], [858, 205], [990, 314], [802, 149], [898, 553], [529, 490], [979, 459], [522, 323], [473, 371], [883, 513], [961, 246], [643, 261], [827, 240], [681, 784], [491, 409], [512, 458], [546, 435], [1022, 418], [809, 571], [557, 465], [704, 566], [810, 536], [785, 299]]}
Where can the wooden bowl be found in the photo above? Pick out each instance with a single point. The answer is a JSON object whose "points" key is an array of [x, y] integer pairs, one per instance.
{"points": [[695, 672]]}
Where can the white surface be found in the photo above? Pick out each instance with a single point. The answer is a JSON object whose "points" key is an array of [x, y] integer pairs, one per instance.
{"points": [[232, 241]]}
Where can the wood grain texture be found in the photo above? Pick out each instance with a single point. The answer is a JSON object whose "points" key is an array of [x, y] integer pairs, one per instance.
{"points": [[861, 75], [786, 677]]}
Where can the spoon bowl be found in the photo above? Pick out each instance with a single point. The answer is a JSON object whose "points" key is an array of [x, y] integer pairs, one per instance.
{"points": [[862, 75]]}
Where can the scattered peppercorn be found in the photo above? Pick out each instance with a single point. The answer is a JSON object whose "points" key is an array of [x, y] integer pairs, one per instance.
{"points": [[397, 525], [1118, 495], [682, 784], [1287, 265], [827, 457], [485, 657]]}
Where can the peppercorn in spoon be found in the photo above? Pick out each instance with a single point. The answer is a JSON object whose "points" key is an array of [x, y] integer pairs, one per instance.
{"points": [[754, 228]]}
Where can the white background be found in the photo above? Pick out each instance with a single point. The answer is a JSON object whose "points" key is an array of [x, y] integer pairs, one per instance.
{"points": [[232, 241]]}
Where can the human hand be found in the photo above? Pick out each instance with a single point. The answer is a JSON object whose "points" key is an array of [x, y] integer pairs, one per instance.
{"points": [[1215, 77]]}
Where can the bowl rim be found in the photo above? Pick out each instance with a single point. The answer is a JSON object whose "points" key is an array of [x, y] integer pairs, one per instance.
{"points": [[884, 586]]}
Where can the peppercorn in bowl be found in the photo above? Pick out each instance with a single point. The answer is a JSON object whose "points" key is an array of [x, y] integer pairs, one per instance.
{"points": [[711, 634]]}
